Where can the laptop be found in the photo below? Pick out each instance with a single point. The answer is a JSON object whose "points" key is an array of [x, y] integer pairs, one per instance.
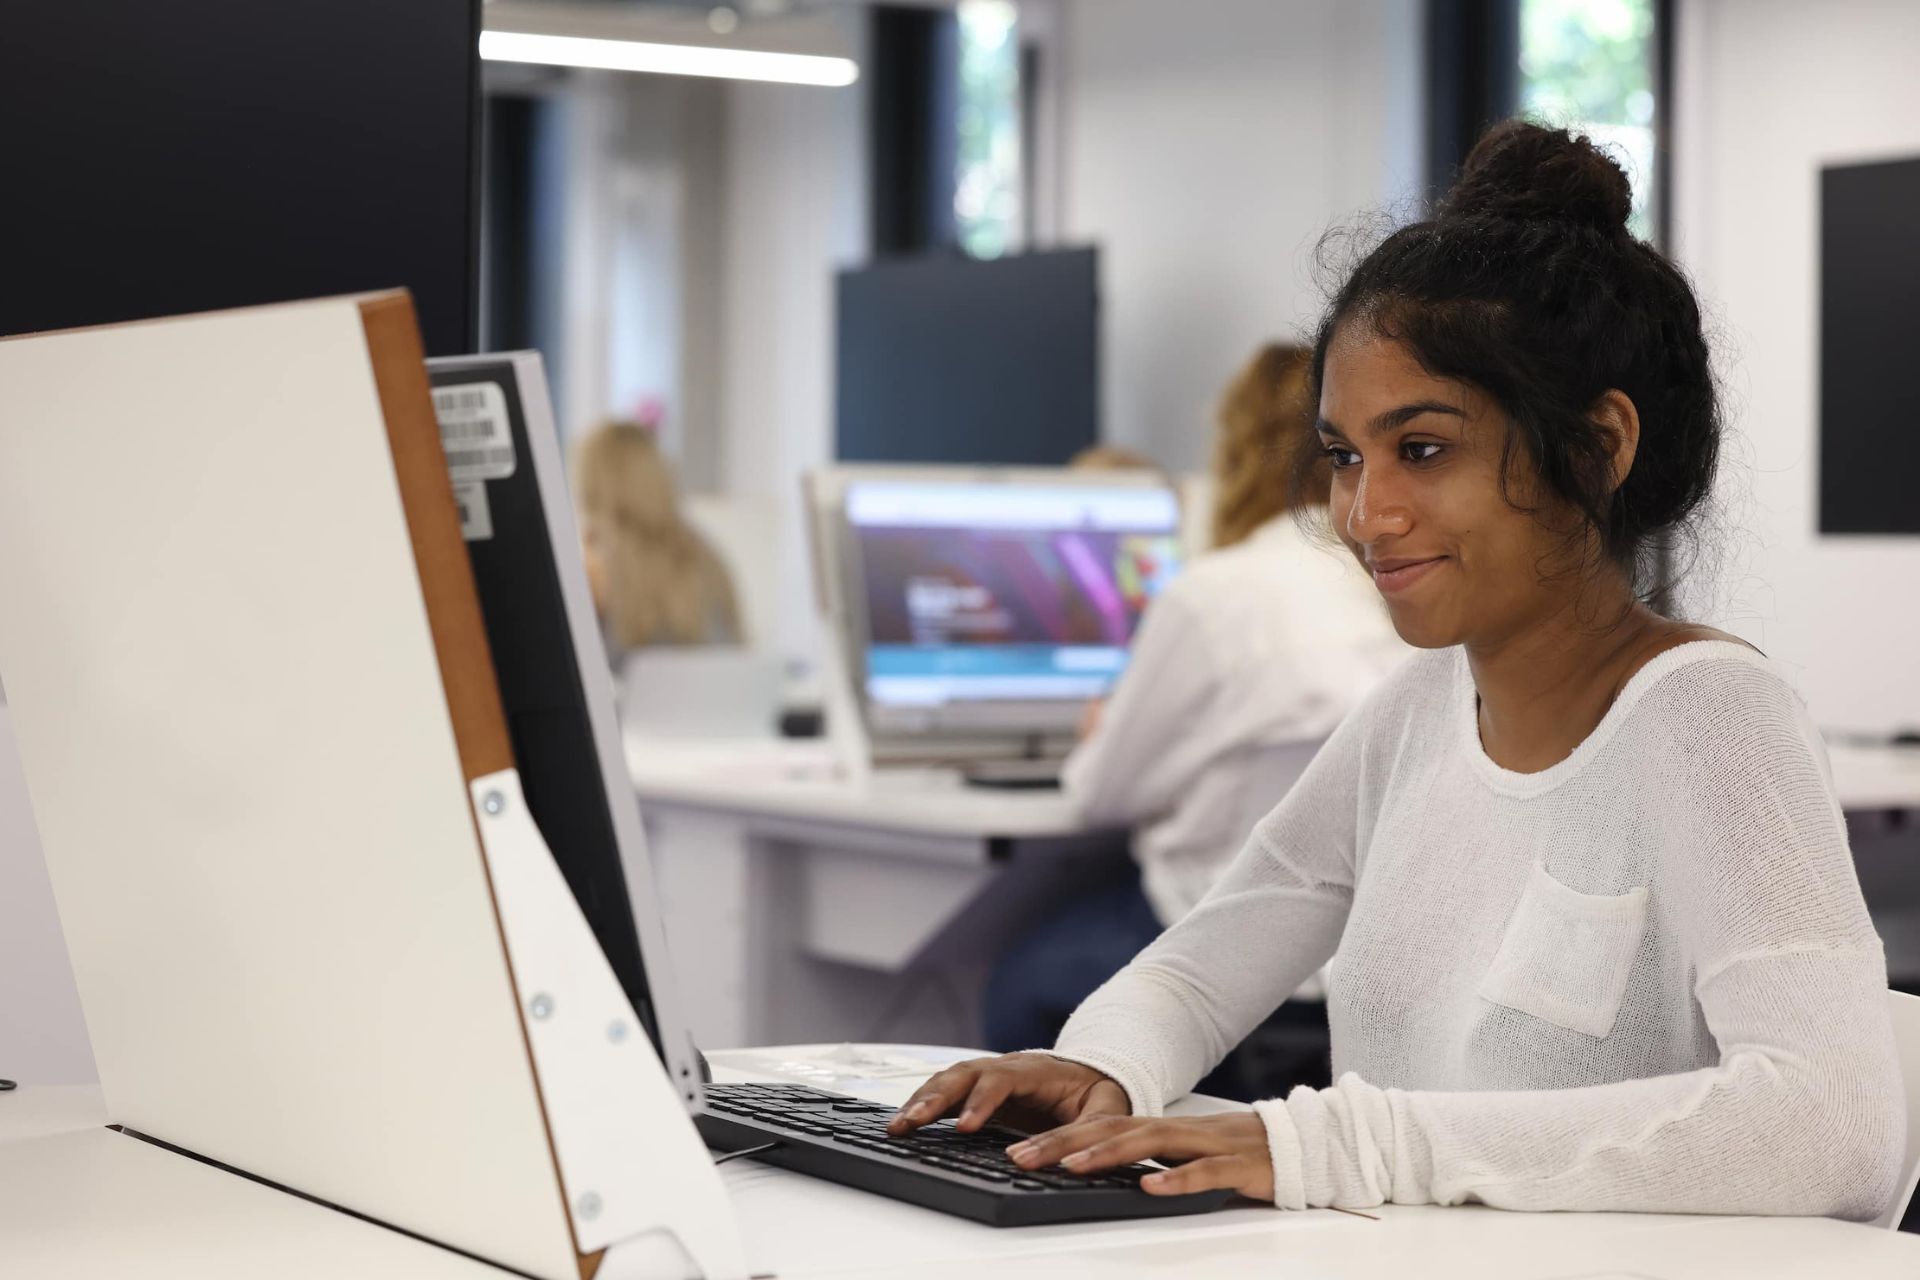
{"points": [[509, 478]]}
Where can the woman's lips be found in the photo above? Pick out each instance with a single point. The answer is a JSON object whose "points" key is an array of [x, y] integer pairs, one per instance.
{"points": [[1397, 575]]}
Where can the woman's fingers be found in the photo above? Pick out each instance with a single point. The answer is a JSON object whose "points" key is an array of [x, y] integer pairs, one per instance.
{"points": [[1022, 1088], [989, 1091], [932, 1100], [1113, 1140], [1209, 1173]]}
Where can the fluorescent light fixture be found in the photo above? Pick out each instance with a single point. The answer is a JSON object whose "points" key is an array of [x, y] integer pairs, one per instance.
{"points": [[666, 59]]}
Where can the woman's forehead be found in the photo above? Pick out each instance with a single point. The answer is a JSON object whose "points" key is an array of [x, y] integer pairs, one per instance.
{"points": [[1367, 374]]}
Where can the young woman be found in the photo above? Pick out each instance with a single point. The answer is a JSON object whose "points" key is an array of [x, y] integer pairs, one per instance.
{"points": [[1600, 941]]}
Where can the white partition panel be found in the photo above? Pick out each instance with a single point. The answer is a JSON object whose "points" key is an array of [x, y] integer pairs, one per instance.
{"points": [[244, 768]]}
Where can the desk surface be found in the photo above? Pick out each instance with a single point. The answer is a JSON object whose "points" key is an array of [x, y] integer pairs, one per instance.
{"points": [[76, 1199], [770, 778]]}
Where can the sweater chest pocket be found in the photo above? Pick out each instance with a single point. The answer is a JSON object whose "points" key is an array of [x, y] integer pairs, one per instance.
{"points": [[1566, 956]]}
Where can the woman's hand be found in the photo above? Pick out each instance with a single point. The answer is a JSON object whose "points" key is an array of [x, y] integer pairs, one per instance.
{"points": [[1021, 1090], [1215, 1151]]}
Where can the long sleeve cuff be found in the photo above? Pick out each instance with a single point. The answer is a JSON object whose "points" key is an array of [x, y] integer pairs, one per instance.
{"points": [[1283, 1148], [1333, 1146]]}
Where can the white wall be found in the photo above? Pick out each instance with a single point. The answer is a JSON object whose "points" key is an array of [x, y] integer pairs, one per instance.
{"points": [[1207, 145], [1770, 91], [42, 1036], [796, 209]]}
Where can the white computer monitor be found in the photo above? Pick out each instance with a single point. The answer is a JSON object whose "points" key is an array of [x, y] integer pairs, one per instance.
{"points": [[990, 603]]}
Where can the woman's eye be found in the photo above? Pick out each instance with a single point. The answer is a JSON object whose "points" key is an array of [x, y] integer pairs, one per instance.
{"points": [[1342, 458], [1419, 450]]}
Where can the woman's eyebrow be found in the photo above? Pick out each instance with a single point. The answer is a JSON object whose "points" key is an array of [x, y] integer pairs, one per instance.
{"points": [[1394, 419]]}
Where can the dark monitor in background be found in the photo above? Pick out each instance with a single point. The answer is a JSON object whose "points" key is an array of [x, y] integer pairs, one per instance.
{"points": [[956, 360], [195, 155], [1869, 278]]}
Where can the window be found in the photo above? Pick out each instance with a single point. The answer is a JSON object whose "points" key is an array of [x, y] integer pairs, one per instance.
{"points": [[1592, 66], [986, 200]]}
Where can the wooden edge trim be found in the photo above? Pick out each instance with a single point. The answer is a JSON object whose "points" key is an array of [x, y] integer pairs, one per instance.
{"points": [[433, 524], [453, 611]]}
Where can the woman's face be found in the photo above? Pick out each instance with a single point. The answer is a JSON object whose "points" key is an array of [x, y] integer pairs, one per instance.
{"points": [[1417, 498]]}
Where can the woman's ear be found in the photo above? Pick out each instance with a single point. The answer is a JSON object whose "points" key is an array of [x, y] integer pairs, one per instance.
{"points": [[1614, 414]]}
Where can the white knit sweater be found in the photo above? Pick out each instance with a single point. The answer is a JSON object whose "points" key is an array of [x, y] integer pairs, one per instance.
{"points": [[1642, 979]]}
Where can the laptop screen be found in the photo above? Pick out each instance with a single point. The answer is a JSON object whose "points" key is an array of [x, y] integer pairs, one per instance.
{"points": [[982, 592]]}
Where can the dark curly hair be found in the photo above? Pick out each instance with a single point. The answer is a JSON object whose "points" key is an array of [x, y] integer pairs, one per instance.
{"points": [[1526, 283]]}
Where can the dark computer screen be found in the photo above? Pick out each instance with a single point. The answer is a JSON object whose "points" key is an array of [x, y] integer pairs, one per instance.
{"points": [[193, 155], [1869, 278], [507, 530], [952, 359]]}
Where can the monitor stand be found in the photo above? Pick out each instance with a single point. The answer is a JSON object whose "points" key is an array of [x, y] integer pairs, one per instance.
{"points": [[1013, 775]]}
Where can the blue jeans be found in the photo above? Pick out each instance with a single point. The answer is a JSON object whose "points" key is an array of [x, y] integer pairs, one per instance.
{"points": [[1043, 979]]}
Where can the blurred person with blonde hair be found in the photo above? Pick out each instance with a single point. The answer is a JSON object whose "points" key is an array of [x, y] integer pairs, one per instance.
{"points": [[655, 580], [1239, 671]]}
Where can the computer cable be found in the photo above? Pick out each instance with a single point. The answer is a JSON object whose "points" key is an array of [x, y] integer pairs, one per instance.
{"points": [[745, 1151]]}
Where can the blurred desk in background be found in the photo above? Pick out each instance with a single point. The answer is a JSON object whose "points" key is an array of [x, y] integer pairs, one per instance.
{"points": [[804, 904], [1879, 790], [1869, 778]]}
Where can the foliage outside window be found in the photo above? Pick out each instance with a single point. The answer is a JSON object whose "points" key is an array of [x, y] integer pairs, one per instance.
{"points": [[1588, 65], [987, 193]]}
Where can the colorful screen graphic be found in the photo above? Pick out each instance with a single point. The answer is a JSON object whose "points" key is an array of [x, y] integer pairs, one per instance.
{"points": [[980, 592]]}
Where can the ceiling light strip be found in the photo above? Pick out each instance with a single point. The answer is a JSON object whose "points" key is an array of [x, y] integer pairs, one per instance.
{"points": [[666, 59]]}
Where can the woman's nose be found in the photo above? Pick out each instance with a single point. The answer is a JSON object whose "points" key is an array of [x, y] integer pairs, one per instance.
{"points": [[1378, 510]]}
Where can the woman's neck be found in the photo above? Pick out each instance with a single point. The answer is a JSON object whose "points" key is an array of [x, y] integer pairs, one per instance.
{"points": [[1545, 687]]}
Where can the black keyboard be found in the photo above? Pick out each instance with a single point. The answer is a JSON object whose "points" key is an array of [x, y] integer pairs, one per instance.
{"points": [[843, 1139]]}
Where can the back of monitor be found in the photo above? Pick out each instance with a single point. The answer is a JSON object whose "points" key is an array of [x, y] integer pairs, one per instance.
{"points": [[258, 715]]}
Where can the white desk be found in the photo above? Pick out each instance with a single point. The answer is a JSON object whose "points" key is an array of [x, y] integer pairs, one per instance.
{"points": [[76, 1200], [801, 903]]}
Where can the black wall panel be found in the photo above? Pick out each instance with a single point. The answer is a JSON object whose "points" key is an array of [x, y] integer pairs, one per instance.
{"points": [[1869, 334], [158, 158], [949, 359]]}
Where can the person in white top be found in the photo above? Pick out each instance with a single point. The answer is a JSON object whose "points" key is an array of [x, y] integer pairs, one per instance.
{"points": [[1238, 672], [1597, 941], [1241, 668]]}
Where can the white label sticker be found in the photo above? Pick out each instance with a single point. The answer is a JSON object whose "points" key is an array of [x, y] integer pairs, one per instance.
{"points": [[475, 431], [476, 517]]}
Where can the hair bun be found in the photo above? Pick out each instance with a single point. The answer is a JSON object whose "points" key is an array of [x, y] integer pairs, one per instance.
{"points": [[1528, 172]]}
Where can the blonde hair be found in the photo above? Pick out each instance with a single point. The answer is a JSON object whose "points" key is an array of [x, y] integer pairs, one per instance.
{"points": [[1112, 457], [1265, 419], [664, 583]]}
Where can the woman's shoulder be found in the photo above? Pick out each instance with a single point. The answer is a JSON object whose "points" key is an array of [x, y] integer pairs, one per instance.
{"points": [[1714, 692]]}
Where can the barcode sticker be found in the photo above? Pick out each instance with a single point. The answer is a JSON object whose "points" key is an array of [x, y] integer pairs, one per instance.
{"points": [[476, 517], [475, 432]]}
